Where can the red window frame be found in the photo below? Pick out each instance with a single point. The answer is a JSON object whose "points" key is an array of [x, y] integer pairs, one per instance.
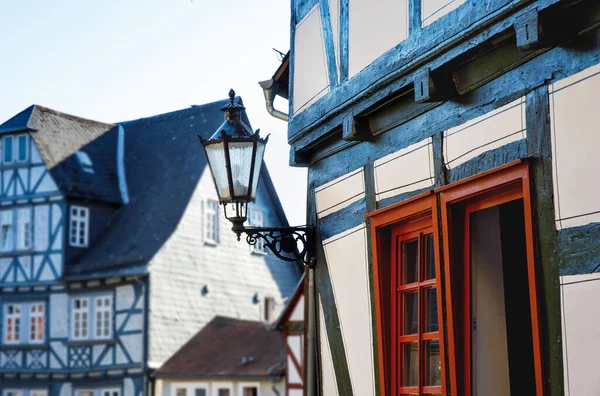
{"points": [[494, 187]]}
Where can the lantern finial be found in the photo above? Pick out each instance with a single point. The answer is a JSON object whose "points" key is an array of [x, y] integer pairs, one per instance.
{"points": [[231, 95]]}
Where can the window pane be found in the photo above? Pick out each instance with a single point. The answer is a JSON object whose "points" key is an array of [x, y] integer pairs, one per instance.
{"points": [[22, 147], [433, 364], [410, 262], [431, 310], [410, 364], [250, 391], [181, 392], [224, 392], [429, 258], [8, 149], [411, 313], [200, 392]]}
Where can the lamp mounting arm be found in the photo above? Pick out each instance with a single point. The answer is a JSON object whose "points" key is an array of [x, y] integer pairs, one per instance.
{"points": [[287, 243]]}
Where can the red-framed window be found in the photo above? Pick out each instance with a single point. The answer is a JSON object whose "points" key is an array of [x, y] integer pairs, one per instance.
{"points": [[415, 314], [409, 270]]}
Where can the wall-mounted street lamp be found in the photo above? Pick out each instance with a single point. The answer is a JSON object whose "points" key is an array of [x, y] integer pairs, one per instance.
{"points": [[235, 157]]}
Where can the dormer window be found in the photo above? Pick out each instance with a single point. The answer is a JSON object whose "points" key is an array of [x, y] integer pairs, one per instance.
{"points": [[15, 151], [79, 226], [84, 161]]}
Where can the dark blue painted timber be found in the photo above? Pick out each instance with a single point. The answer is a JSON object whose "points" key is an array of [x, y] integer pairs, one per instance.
{"points": [[579, 249], [343, 33], [444, 40], [344, 219], [329, 46], [552, 65]]}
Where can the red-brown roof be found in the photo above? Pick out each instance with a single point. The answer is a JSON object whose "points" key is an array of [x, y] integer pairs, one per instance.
{"points": [[228, 348]]}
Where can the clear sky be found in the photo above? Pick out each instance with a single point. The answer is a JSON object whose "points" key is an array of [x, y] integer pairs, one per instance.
{"points": [[120, 60]]}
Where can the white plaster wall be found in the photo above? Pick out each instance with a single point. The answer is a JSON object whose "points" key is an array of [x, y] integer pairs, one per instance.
{"points": [[59, 314], [298, 313], [328, 379], [168, 387], [575, 142], [581, 332], [432, 10], [310, 62], [346, 256], [340, 192], [489, 131], [406, 170], [232, 274], [375, 26]]}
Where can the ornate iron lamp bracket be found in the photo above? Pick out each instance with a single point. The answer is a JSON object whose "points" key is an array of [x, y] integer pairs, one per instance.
{"points": [[287, 243]]}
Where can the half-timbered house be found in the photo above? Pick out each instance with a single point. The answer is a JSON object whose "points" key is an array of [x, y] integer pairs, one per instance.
{"points": [[452, 151], [114, 250]]}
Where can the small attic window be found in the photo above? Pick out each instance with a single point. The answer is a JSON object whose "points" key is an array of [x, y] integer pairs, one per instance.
{"points": [[84, 161]]}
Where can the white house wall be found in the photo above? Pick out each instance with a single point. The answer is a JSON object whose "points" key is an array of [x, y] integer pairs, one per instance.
{"points": [[346, 256], [375, 26], [329, 383], [340, 192], [310, 73], [432, 10], [575, 139], [580, 330], [235, 279]]}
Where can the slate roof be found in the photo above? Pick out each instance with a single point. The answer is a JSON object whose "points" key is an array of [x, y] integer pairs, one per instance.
{"points": [[58, 137], [163, 164], [220, 349]]}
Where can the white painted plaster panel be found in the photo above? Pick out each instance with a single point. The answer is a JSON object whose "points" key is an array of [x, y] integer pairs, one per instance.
{"points": [[22, 186], [340, 192], [129, 387], [6, 179], [489, 131], [406, 170], [310, 63], [295, 345], [40, 236], [47, 184], [296, 392], [581, 330], [329, 381], [36, 158], [4, 266], [125, 297], [298, 314], [375, 26], [432, 10], [60, 350], [59, 306], [66, 389], [47, 273], [293, 374], [57, 262], [133, 344], [346, 256], [135, 322], [36, 173], [575, 142]]}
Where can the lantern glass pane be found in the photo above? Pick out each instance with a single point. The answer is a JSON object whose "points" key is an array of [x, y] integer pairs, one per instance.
{"points": [[260, 151], [240, 154], [216, 157]]}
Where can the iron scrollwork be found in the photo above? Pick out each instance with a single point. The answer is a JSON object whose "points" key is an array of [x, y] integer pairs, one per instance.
{"points": [[287, 243]]}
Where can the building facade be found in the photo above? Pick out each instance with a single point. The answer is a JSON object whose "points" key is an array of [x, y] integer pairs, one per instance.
{"points": [[451, 153], [115, 251]]}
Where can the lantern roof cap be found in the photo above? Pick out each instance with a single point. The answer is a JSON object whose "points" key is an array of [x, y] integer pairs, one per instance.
{"points": [[233, 104]]}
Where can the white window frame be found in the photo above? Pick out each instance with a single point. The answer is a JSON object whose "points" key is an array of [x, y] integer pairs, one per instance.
{"points": [[266, 310], [79, 220], [210, 226], [218, 386], [87, 311], [190, 388], [17, 318], [33, 329], [256, 218], [38, 392], [6, 220], [19, 392], [78, 392], [17, 148], [111, 391], [24, 228], [85, 162], [105, 327], [4, 140], [243, 385]]}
